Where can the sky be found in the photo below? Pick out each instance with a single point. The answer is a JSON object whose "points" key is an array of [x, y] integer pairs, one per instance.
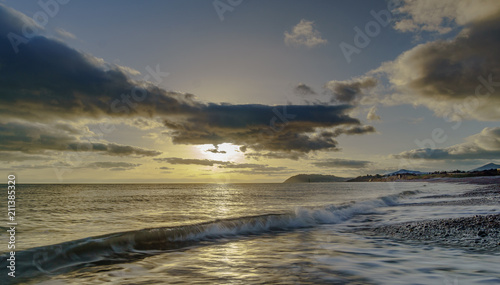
{"points": [[231, 91]]}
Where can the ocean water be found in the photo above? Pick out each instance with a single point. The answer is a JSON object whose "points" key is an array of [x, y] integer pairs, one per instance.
{"points": [[234, 234]]}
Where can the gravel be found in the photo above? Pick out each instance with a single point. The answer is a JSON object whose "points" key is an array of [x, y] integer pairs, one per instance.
{"points": [[480, 232], [477, 233]]}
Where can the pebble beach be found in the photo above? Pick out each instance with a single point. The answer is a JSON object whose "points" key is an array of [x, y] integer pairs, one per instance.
{"points": [[477, 233]]}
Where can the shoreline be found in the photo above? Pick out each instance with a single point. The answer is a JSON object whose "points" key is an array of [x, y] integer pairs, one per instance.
{"points": [[476, 233], [478, 180]]}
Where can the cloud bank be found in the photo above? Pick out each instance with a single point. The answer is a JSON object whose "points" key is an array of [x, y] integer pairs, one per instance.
{"points": [[457, 78], [36, 138], [47, 81], [484, 145]]}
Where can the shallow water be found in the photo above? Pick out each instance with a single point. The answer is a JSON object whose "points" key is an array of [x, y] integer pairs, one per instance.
{"points": [[236, 234]]}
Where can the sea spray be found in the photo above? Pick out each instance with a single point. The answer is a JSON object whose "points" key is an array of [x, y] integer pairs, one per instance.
{"points": [[125, 246]]}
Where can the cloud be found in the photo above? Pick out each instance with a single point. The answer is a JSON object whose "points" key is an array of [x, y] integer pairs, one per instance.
{"points": [[323, 139], [146, 124], [112, 165], [215, 150], [442, 16], [485, 145], [26, 167], [122, 150], [304, 90], [372, 115], [260, 127], [73, 85], [13, 21], [65, 34], [191, 161], [357, 130], [255, 169], [37, 138], [243, 168], [457, 78], [47, 80], [351, 90], [304, 34], [15, 156], [293, 155], [342, 163]]}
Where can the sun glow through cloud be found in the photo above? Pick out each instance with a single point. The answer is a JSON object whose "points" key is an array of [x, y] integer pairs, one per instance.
{"points": [[221, 152]]}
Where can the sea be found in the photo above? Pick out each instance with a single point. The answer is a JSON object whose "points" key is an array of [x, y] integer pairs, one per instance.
{"points": [[235, 234]]}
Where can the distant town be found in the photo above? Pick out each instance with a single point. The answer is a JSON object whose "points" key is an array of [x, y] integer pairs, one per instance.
{"points": [[490, 169]]}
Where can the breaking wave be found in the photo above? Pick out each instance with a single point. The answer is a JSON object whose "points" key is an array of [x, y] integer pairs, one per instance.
{"points": [[124, 246]]}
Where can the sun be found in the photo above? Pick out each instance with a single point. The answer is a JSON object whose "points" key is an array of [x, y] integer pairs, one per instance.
{"points": [[221, 152]]}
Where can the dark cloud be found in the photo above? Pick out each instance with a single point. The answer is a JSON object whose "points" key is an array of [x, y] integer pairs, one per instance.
{"points": [[36, 138], [485, 145], [349, 91], [215, 150], [119, 150], [13, 22], [274, 128], [26, 167], [112, 165], [456, 78], [304, 90], [46, 80], [342, 163], [15, 156], [293, 155], [357, 130]]}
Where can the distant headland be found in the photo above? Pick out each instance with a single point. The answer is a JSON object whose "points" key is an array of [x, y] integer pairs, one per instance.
{"points": [[490, 169], [305, 178]]}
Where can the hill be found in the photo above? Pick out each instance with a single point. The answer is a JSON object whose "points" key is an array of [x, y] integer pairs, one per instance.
{"points": [[486, 167], [404, 171], [305, 178]]}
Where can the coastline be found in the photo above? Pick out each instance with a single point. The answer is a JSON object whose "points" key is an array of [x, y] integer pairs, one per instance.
{"points": [[476, 233]]}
